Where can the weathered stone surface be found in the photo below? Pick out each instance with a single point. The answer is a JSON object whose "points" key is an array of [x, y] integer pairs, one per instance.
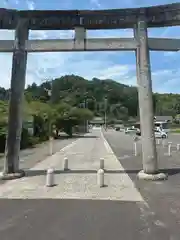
{"points": [[16, 98], [153, 177], [144, 83], [12, 176], [156, 16]]}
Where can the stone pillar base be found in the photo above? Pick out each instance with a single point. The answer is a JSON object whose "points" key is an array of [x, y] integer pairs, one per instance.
{"points": [[153, 177], [11, 176]]}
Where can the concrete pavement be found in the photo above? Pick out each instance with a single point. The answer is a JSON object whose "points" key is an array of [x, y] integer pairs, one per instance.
{"points": [[81, 181]]}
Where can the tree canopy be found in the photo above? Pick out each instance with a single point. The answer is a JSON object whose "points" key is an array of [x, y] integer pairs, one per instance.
{"points": [[74, 100], [122, 100], [70, 93]]}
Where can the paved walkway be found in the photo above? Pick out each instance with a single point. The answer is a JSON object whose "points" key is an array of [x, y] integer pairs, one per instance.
{"points": [[81, 181], [31, 156]]}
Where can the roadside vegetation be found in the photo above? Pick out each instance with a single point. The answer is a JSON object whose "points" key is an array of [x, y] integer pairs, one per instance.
{"points": [[74, 101]]}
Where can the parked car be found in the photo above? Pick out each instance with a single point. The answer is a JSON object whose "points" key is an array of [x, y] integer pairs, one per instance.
{"points": [[130, 130], [138, 132], [160, 133], [157, 133]]}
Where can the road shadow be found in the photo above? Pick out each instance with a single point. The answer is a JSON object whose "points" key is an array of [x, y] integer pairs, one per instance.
{"points": [[170, 171], [74, 136], [32, 173], [88, 136]]}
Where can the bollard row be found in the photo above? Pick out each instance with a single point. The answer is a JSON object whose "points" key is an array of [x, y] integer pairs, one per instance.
{"points": [[169, 148], [50, 174], [178, 147], [66, 164], [135, 148], [50, 181], [159, 141], [66, 167], [101, 163], [100, 178]]}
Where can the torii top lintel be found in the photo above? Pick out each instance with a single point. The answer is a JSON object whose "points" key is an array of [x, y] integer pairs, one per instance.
{"points": [[155, 16]]}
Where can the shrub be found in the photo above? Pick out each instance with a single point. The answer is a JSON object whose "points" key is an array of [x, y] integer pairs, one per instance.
{"points": [[33, 141]]}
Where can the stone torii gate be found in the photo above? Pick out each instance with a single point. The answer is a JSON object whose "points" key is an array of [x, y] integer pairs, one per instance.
{"points": [[139, 19]]}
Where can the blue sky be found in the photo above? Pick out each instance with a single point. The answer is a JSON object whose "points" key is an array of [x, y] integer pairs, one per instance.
{"points": [[119, 66]]}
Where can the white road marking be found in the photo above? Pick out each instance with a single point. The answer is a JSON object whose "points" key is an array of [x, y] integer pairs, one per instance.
{"points": [[125, 175], [125, 156]]}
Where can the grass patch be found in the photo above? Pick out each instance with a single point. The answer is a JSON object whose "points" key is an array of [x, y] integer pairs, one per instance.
{"points": [[175, 130]]}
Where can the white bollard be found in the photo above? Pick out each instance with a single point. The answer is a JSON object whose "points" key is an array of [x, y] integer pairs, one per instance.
{"points": [[66, 164], [163, 142], [50, 178], [135, 148], [101, 163], [169, 149], [158, 141], [100, 178], [178, 147]]}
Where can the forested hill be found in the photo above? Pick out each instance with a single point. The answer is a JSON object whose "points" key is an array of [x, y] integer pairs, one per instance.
{"points": [[122, 99], [75, 90]]}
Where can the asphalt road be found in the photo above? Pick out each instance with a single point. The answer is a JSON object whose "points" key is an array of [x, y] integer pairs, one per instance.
{"points": [[161, 197], [76, 220], [66, 219]]}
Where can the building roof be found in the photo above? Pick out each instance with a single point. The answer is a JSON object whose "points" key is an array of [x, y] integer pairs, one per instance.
{"points": [[163, 118], [97, 120]]}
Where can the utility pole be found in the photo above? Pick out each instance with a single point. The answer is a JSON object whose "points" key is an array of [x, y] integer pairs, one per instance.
{"points": [[49, 92], [105, 113], [86, 121], [95, 104], [85, 106]]}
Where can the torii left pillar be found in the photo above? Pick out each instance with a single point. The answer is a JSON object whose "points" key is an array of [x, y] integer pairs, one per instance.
{"points": [[18, 75]]}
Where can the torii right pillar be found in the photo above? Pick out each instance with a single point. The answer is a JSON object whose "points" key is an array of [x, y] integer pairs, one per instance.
{"points": [[145, 96]]}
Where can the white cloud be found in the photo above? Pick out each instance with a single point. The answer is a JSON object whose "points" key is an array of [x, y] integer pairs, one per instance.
{"points": [[7, 34], [95, 3], [166, 80], [115, 71], [126, 33], [5, 70], [169, 54], [50, 65], [30, 5], [92, 64]]}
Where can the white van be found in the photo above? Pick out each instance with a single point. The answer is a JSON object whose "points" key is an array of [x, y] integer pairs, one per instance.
{"points": [[165, 126], [158, 133]]}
